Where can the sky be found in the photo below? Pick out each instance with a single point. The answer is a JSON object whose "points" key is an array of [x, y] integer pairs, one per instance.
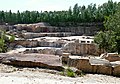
{"points": [[44, 5]]}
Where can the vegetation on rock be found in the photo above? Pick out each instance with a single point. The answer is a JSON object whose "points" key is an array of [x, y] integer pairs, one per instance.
{"points": [[5, 40], [72, 72]]}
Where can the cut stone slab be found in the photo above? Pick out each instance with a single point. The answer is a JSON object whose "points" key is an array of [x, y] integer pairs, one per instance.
{"points": [[112, 57], [91, 65], [116, 68], [33, 60], [94, 61]]}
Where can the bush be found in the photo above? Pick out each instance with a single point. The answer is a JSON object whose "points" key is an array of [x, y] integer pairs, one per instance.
{"points": [[5, 40], [71, 72]]}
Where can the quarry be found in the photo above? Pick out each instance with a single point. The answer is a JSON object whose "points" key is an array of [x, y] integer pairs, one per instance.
{"points": [[40, 53], [39, 45]]}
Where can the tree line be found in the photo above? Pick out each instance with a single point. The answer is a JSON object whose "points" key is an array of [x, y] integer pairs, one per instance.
{"points": [[80, 14]]}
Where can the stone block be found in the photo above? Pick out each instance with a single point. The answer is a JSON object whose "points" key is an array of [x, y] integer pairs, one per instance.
{"points": [[112, 57], [116, 70], [84, 65], [65, 57]]}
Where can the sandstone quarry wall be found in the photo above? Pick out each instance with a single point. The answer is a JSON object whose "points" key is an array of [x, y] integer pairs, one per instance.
{"points": [[98, 68], [77, 48]]}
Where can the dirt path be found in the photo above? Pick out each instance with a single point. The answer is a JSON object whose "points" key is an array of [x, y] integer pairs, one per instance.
{"points": [[13, 75]]}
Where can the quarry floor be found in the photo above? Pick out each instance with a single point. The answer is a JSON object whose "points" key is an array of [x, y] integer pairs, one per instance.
{"points": [[17, 75]]}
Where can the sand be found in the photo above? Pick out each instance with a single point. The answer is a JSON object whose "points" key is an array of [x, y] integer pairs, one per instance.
{"points": [[13, 75]]}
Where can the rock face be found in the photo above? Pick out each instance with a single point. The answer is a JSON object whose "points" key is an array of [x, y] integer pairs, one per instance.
{"points": [[112, 57], [116, 68], [65, 58], [27, 43], [77, 48], [30, 35], [32, 60], [95, 65], [37, 27], [40, 43], [41, 51], [82, 28]]}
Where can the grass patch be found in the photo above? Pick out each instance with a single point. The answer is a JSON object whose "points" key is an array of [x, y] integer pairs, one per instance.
{"points": [[72, 73]]}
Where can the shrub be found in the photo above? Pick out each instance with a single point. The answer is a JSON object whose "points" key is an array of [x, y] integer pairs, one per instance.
{"points": [[71, 72]]}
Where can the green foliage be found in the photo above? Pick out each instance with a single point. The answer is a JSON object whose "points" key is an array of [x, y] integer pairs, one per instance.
{"points": [[109, 39], [4, 41], [89, 13], [112, 24], [70, 73], [106, 40], [12, 38]]}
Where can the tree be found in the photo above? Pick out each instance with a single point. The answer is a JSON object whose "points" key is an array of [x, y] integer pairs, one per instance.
{"points": [[18, 16], [106, 41], [110, 38], [113, 24], [77, 14], [5, 40]]}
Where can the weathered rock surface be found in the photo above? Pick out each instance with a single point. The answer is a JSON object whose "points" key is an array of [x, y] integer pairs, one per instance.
{"points": [[32, 60], [65, 57], [30, 35], [77, 48], [112, 57], [83, 28], [116, 68], [95, 65]]}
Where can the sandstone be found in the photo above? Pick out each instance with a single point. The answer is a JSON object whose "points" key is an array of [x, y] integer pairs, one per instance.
{"points": [[100, 66], [81, 64], [116, 68], [84, 65], [26, 43], [65, 57], [97, 61], [73, 62], [33, 60], [65, 54], [76, 48], [112, 57], [103, 69]]}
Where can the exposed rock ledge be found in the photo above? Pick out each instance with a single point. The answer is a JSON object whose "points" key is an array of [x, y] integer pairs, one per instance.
{"points": [[32, 60]]}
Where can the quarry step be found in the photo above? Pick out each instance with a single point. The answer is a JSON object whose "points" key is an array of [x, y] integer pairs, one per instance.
{"points": [[32, 60]]}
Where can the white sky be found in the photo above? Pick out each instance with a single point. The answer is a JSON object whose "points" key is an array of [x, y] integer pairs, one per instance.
{"points": [[44, 5]]}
